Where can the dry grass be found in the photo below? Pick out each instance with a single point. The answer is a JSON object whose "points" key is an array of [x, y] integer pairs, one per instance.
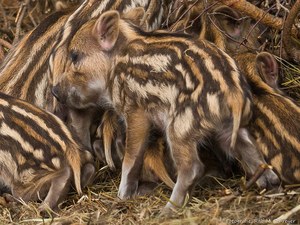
{"points": [[290, 79], [220, 203]]}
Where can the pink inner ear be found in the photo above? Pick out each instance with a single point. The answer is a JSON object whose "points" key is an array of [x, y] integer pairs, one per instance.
{"points": [[236, 32], [106, 45], [272, 66], [99, 33], [227, 21], [101, 29], [106, 30], [268, 62], [270, 70]]}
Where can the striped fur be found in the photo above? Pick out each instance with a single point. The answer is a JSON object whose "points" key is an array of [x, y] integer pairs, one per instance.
{"points": [[275, 123], [230, 30], [213, 21], [189, 89], [39, 155], [276, 119], [28, 71], [59, 57], [91, 9], [25, 72]]}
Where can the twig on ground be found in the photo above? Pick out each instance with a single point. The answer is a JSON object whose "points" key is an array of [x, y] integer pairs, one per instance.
{"points": [[260, 170], [288, 43], [5, 44], [19, 19], [257, 13], [4, 16], [285, 216]]}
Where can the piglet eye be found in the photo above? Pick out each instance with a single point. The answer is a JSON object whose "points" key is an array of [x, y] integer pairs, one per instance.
{"points": [[74, 56]]}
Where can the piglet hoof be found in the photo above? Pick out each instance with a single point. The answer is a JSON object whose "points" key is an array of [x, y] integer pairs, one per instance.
{"points": [[9, 198], [45, 211], [127, 191], [168, 211], [268, 180]]}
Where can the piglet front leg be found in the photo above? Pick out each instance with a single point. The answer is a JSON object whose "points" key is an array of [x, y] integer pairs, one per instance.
{"points": [[137, 133]]}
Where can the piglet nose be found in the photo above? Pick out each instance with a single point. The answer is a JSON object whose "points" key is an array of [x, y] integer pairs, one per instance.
{"points": [[55, 91]]}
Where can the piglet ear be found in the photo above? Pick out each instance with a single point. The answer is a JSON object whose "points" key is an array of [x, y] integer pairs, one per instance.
{"points": [[106, 29], [267, 68], [228, 20]]}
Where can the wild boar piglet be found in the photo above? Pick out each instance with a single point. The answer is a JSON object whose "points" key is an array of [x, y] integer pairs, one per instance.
{"points": [[39, 156], [189, 89], [276, 117]]}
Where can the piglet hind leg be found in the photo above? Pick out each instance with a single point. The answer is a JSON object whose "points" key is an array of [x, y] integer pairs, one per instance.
{"points": [[137, 133], [251, 159], [87, 174], [189, 167], [58, 189]]}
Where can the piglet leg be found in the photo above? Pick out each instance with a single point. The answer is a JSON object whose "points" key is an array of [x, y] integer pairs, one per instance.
{"points": [[58, 189], [189, 167], [138, 127], [251, 159]]}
